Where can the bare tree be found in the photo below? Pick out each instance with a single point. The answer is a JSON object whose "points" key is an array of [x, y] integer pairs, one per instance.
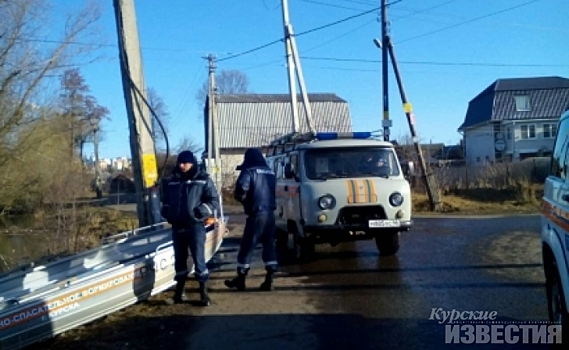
{"points": [[226, 82], [81, 110], [161, 110], [27, 62], [188, 144], [30, 130]]}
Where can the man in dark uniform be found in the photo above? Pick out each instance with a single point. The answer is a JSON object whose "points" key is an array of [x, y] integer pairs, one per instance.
{"points": [[255, 190], [189, 198]]}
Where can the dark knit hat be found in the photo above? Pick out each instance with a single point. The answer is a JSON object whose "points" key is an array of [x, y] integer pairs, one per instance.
{"points": [[186, 157]]}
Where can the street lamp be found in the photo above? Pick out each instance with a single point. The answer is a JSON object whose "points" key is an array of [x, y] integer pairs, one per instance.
{"points": [[95, 126], [377, 43]]}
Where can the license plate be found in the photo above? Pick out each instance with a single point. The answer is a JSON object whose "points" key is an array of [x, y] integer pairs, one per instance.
{"points": [[384, 223]]}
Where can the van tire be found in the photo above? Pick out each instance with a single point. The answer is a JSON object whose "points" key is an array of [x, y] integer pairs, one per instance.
{"points": [[556, 305], [304, 248], [387, 243], [282, 240]]}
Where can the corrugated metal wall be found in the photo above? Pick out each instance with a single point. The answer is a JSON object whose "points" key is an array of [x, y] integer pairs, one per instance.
{"points": [[243, 125]]}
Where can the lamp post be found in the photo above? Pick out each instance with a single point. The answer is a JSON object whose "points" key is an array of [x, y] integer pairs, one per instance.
{"points": [[95, 125]]}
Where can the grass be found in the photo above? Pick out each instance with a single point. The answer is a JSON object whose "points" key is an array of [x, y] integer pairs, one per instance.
{"points": [[509, 200]]}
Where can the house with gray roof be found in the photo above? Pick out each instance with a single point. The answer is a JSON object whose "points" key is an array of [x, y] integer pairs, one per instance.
{"points": [[514, 119], [254, 120]]}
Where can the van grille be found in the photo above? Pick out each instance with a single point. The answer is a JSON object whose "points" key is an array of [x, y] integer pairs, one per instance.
{"points": [[360, 215]]}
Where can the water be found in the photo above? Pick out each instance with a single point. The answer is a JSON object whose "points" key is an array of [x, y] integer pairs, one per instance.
{"points": [[18, 243]]}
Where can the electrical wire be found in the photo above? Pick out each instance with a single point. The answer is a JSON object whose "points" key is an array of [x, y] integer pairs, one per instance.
{"points": [[298, 34], [133, 85], [331, 5], [250, 51], [145, 101], [423, 10], [359, 60], [338, 22], [468, 21]]}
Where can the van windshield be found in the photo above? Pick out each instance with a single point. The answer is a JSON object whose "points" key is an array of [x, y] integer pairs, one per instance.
{"points": [[326, 163]]}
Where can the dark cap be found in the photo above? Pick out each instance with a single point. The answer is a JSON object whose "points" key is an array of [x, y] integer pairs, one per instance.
{"points": [[186, 157]]}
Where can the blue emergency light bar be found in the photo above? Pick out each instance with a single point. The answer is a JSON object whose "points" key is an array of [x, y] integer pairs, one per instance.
{"points": [[343, 135]]}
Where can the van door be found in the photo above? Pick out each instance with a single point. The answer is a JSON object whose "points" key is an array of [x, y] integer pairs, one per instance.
{"points": [[291, 188], [280, 218], [556, 190]]}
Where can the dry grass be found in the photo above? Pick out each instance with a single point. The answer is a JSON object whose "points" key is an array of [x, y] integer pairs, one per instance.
{"points": [[485, 200], [492, 189]]}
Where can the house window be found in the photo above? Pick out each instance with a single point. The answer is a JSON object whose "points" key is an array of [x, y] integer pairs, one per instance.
{"points": [[549, 131], [527, 131], [522, 103]]}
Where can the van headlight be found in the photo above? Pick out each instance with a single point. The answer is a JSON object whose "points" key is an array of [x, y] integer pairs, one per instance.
{"points": [[395, 199], [327, 201]]}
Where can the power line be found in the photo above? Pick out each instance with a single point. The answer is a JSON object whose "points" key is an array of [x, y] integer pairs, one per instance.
{"points": [[468, 21], [299, 34], [331, 5], [424, 10], [359, 60], [250, 51], [339, 36], [337, 22]]}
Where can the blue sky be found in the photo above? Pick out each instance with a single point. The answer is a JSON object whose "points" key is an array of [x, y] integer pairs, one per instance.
{"points": [[448, 52]]}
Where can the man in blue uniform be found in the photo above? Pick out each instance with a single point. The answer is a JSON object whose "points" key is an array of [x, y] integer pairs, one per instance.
{"points": [[255, 190], [189, 198]]}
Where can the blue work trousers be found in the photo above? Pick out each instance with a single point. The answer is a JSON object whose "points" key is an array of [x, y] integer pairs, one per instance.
{"points": [[259, 227], [192, 237]]}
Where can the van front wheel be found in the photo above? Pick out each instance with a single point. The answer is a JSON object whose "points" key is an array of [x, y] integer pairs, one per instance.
{"points": [[304, 248], [387, 243], [556, 301], [282, 240]]}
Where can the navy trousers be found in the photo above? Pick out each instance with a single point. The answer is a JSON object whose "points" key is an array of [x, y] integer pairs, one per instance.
{"points": [[192, 237], [258, 228]]}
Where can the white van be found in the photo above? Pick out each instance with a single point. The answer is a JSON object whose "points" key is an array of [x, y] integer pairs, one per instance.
{"points": [[337, 187], [555, 228]]}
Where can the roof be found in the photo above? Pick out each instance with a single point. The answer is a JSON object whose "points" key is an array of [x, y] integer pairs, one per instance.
{"points": [[254, 120], [549, 98], [269, 98], [345, 143]]}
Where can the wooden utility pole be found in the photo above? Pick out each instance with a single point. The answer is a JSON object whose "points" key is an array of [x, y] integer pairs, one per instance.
{"points": [[140, 126], [211, 75], [294, 66], [290, 68], [386, 122], [214, 167], [387, 48]]}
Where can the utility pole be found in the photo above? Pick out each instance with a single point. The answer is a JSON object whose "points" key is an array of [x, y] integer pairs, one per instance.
{"points": [[386, 122], [291, 68], [213, 128], [429, 179], [294, 66], [98, 179], [211, 75], [140, 126]]}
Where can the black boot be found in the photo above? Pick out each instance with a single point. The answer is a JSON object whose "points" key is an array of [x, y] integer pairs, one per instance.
{"points": [[238, 282], [204, 298], [179, 295], [267, 286]]}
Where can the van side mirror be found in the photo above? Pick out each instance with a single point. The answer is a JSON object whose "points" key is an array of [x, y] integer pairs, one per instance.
{"points": [[408, 168]]}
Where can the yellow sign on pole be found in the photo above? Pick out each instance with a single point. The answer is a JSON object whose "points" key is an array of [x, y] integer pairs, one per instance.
{"points": [[149, 169], [407, 107]]}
